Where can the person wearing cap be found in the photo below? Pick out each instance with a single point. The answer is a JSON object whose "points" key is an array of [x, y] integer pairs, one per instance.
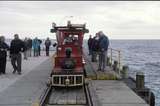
{"points": [[17, 46], [103, 46], [3, 54]]}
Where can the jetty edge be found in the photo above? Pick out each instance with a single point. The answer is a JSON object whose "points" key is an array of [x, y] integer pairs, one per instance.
{"points": [[118, 72]]}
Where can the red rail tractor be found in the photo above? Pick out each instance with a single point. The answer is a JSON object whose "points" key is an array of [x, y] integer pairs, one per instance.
{"points": [[68, 69]]}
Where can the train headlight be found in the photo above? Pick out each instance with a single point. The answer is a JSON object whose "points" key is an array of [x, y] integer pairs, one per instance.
{"points": [[59, 48], [67, 81], [83, 61]]}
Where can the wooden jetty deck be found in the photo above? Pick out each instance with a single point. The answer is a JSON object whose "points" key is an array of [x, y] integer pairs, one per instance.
{"points": [[27, 89]]}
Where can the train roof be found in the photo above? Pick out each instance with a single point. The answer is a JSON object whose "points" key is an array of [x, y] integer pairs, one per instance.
{"points": [[70, 27]]}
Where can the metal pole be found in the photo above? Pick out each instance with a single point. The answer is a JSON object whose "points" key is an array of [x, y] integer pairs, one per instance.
{"points": [[119, 62], [111, 56]]}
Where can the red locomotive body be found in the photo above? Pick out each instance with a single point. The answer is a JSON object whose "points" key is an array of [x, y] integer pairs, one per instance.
{"points": [[68, 69]]}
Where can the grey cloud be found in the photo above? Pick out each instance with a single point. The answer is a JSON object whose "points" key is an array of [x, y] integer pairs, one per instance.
{"points": [[115, 17]]}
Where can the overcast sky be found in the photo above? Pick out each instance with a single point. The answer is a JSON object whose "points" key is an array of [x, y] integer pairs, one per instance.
{"points": [[117, 19]]}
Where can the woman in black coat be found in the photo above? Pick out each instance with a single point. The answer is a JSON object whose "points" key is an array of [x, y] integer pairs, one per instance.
{"points": [[3, 54]]}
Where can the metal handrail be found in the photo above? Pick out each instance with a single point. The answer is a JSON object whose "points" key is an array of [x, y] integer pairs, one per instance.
{"points": [[115, 55]]}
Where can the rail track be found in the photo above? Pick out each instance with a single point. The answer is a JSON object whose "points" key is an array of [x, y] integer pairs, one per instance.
{"points": [[77, 96]]}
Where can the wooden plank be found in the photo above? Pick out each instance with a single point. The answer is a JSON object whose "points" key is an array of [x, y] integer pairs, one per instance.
{"points": [[68, 96], [94, 96], [80, 97], [71, 96]]}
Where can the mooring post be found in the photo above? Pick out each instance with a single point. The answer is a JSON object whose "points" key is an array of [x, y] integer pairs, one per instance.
{"points": [[125, 70], [115, 66], [108, 61], [139, 80]]}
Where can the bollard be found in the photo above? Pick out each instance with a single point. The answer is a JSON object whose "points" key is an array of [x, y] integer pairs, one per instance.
{"points": [[125, 70], [108, 61], [115, 66], [140, 80]]}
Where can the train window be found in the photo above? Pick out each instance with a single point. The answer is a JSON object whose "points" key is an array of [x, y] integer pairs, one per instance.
{"points": [[71, 38], [67, 40], [75, 37]]}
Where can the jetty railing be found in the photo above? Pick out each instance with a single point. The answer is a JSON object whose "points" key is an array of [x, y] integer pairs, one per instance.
{"points": [[114, 59]]}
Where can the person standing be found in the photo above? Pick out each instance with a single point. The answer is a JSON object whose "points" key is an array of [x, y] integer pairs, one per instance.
{"points": [[47, 44], [103, 44], [95, 48], [26, 50], [3, 55], [35, 44], [16, 47], [29, 47], [39, 47], [89, 44]]}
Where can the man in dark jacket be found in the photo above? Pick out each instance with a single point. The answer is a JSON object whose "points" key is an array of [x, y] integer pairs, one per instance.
{"points": [[47, 44], [30, 47], [95, 48], [90, 44], [3, 54], [17, 46], [103, 46], [26, 48], [39, 47]]}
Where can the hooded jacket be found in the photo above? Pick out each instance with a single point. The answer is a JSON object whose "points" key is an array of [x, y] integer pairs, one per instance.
{"points": [[103, 43]]}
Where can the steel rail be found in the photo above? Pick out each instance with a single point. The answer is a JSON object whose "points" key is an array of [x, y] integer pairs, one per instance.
{"points": [[44, 96]]}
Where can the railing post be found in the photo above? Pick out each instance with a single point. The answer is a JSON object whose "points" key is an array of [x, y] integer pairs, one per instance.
{"points": [[125, 72], [119, 61], [111, 56], [108, 61], [115, 65]]}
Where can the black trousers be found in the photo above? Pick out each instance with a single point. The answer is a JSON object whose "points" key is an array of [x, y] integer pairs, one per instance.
{"points": [[39, 51], [3, 65], [47, 51], [16, 60]]}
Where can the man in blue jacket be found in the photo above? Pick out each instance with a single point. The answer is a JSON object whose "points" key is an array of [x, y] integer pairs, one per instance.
{"points": [[103, 46], [35, 44]]}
